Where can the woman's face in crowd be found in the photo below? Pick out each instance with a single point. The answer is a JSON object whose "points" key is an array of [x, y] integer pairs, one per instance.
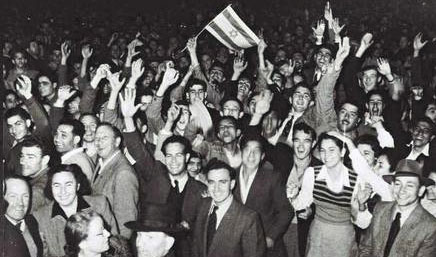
{"points": [[97, 241], [330, 153], [64, 188]]}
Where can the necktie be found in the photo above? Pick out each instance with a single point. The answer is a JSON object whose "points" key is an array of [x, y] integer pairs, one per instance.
{"points": [[393, 232], [176, 186], [18, 226], [211, 227], [96, 172], [288, 128]]}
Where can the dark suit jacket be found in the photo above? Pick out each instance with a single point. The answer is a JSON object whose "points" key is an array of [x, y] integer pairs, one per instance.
{"points": [[155, 182], [404, 150], [417, 236], [267, 196], [14, 244], [239, 233]]}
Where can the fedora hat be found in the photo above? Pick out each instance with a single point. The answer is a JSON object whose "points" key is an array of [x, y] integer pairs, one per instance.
{"points": [[157, 218], [407, 167]]}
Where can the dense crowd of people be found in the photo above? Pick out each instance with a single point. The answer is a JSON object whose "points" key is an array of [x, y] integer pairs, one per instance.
{"points": [[127, 133]]}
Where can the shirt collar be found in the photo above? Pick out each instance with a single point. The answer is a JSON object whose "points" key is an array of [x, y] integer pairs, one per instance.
{"points": [[344, 179], [181, 180], [104, 163], [13, 222], [224, 206], [57, 210], [71, 153], [425, 151]]}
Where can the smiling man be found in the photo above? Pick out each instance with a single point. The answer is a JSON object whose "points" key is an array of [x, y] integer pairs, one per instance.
{"points": [[421, 148], [403, 227], [19, 230], [68, 142], [304, 139], [225, 227]]}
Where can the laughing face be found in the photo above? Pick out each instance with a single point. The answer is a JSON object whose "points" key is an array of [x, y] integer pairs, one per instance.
{"points": [[348, 117]]}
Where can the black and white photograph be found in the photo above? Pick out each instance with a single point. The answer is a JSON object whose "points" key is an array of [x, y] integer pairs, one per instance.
{"points": [[218, 128]]}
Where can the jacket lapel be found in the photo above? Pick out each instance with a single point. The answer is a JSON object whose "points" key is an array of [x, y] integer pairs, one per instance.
{"points": [[412, 221], [385, 225], [226, 225], [256, 186]]}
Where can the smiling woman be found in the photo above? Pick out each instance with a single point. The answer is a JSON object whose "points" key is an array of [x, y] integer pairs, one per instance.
{"points": [[69, 188]]}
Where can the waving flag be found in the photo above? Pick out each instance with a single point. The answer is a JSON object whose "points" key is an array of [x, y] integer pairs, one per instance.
{"points": [[230, 30]]}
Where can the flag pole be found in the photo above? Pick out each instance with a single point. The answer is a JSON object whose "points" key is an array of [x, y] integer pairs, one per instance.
{"points": [[201, 31]]}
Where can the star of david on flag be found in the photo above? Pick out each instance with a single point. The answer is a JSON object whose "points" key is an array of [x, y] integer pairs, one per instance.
{"points": [[231, 31]]}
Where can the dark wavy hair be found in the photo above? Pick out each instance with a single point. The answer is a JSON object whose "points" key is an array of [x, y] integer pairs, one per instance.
{"points": [[79, 176]]}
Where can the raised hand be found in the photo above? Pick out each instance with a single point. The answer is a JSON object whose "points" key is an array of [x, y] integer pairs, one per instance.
{"points": [[65, 92], [383, 67], [342, 53], [114, 36], [173, 113], [65, 50], [115, 82], [192, 44], [24, 86], [318, 31], [267, 70], [261, 46], [87, 51], [127, 103], [263, 104], [137, 69], [171, 75], [291, 68], [328, 14], [366, 41], [418, 44], [131, 48], [363, 193], [239, 64], [336, 27]]}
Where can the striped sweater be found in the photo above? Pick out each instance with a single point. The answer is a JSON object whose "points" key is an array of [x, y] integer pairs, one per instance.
{"points": [[333, 207]]}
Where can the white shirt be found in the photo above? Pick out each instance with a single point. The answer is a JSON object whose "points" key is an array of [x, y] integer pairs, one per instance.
{"points": [[414, 155], [245, 188], [235, 161], [404, 214], [365, 174], [222, 209], [182, 182], [22, 225]]}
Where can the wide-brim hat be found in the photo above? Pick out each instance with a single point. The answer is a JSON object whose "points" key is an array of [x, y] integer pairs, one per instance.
{"points": [[407, 167], [158, 218]]}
